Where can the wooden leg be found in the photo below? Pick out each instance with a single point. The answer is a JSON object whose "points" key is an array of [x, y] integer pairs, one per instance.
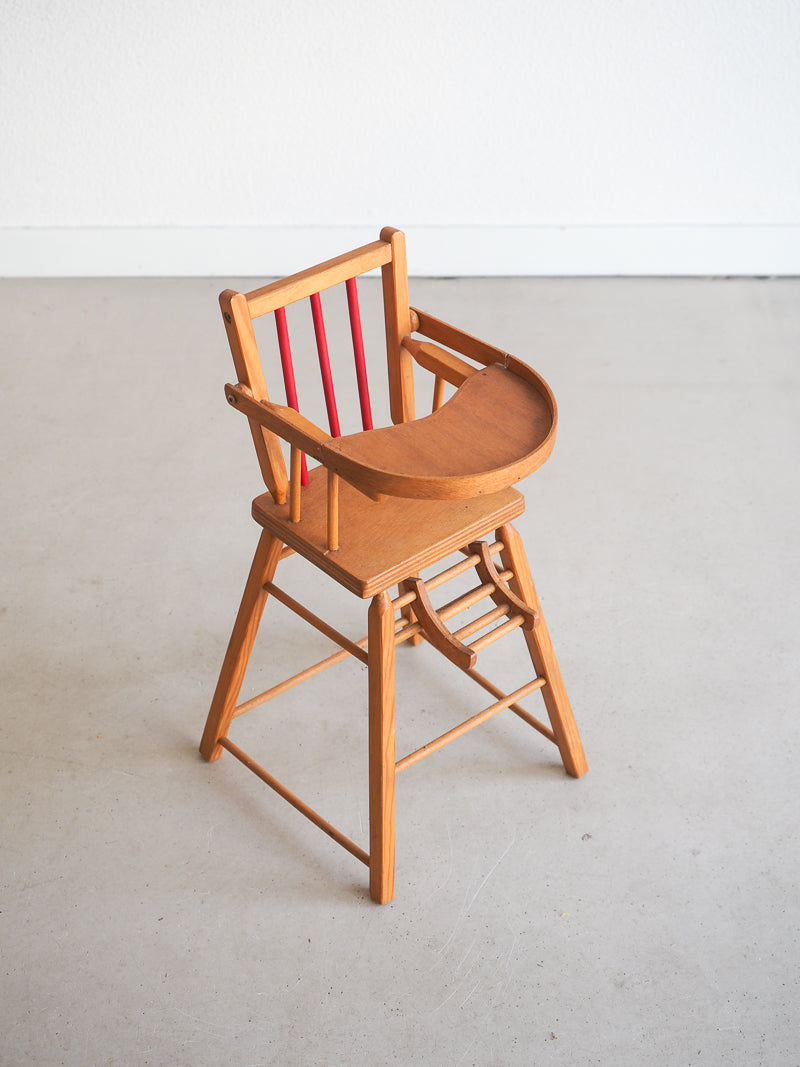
{"points": [[381, 749], [240, 645], [543, 657]]}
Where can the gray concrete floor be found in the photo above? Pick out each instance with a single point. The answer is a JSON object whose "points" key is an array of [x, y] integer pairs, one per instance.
{"points": [[160, 910]]}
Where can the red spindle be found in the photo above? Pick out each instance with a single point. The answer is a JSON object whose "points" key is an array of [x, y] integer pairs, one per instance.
{"points": [[325, 365], [358, 352], [287, 367]]}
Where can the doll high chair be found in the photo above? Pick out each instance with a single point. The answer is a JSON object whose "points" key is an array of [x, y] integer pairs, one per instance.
{"points": [[384, 505]]}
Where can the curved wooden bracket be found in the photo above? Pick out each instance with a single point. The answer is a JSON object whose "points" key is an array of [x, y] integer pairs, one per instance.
{"points": [[435, 630], [502, 594]]}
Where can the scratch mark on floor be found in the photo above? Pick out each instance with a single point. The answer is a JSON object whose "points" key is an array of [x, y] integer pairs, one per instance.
{"points": [[491, 872]]}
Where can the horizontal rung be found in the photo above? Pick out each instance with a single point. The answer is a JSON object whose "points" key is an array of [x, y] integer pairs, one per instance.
{"points": [[316, 621], [296, 679], [468, 724], [410, 629], [526, 716], [468, 600], [480, 623], [459, 568], [436, 580], [403, 599], [295, 801], [316, 279], [494, 635]]}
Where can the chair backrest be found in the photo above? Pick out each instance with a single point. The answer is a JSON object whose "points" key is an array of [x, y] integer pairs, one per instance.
{"points": [[240, 309]]}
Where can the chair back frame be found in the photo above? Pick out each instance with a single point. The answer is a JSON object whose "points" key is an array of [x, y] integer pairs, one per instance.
{"points": [[240, 309]]}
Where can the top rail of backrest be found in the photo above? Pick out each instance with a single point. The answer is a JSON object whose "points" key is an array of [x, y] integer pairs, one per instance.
{"points": [[315, 279]]}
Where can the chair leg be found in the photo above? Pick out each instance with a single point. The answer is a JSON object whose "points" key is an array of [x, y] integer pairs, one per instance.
{"points": [[240, 645], [543, 657], [381, 748]]}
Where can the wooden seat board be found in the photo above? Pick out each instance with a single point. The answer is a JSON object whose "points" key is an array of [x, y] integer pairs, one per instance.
{"points": [[385, 542]]}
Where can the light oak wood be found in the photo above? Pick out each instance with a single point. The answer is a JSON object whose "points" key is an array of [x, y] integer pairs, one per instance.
{"points": [[438, 361], [384, 506], [435, 630], [381, 749], [481, 622], [240, 645], [295, 486], [468, 724], [544, 659], [333, 511], [494, 635], [526, 716], [244, 350], [351, 647], [383, 542], [295, 801], [452, 337], [397, 318], [501, 593], [494, 431], [438, 394], [289, 424], [317, 279], [296, 679]]}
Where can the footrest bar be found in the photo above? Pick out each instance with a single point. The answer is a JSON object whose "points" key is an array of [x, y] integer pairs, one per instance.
{"points": [[295, 801], [499, 631], [526, 716], [443, 577], [468, 724], [482, 622]]}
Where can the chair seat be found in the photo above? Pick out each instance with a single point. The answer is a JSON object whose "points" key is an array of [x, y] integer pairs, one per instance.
{"points": [[496, 429], [382, 543]]}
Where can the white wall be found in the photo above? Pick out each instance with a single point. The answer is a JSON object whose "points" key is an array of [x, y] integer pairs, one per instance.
{"points": [[559, 136]]}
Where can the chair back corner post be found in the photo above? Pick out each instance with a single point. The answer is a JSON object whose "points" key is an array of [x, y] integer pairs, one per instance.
{"points": [[397, 316], [247, 362]]}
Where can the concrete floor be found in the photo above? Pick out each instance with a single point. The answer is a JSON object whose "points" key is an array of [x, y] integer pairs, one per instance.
{"points": [[160, 910]]}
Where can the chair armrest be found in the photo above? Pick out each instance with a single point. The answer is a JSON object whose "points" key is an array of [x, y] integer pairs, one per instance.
{"points": [[459, 341], [438, 361], [285, 422]]}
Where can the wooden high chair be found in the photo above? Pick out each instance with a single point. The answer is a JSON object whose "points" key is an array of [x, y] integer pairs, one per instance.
{"points": [[384, 505]]}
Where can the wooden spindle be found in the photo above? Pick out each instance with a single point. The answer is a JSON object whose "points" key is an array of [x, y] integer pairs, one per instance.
{"points": [[287, 366], [325, 365], [295, 483], [333, 511], [438, 393], [358, 353]]}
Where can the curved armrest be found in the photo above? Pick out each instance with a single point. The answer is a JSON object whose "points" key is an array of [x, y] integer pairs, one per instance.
{"points": [[459, 341], [438, 361], [286, 422]]}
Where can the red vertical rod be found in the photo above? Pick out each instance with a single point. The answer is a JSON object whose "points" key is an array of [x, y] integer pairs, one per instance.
{"points": [[288, 375], [358, 352], [325, 365]]}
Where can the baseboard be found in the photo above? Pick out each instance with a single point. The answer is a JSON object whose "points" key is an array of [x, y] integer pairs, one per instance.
{"points": [[434, 251]]}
